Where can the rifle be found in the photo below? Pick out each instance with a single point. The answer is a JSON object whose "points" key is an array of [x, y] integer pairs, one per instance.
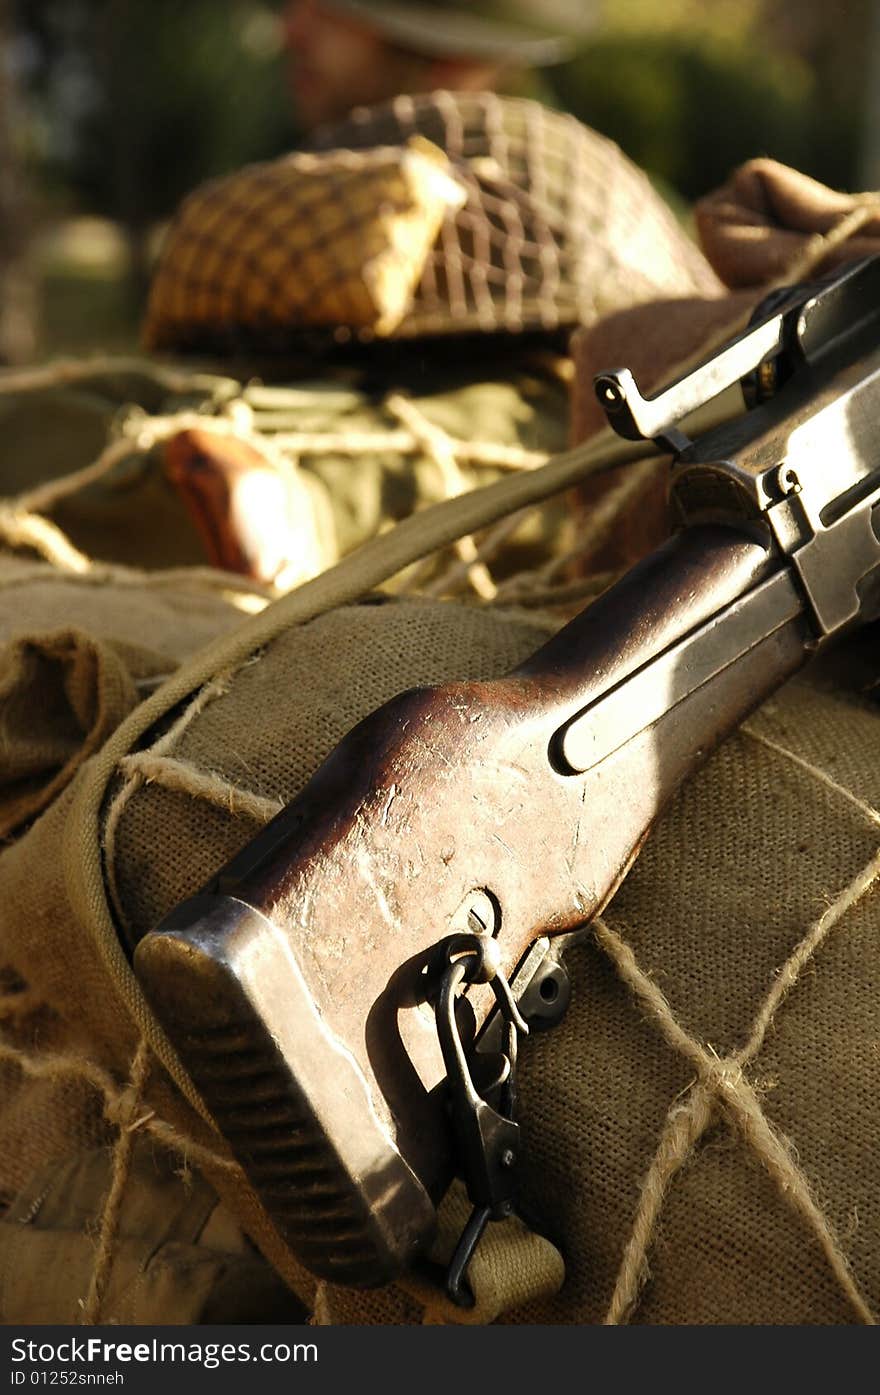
{"points": [[347, 993]]}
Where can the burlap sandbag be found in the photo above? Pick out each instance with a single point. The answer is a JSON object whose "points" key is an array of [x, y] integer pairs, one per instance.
{"points": [[751, 857], [771, 848], [48, 874], [436, 214], [65, 985], [665, 1130], [77, 654]]}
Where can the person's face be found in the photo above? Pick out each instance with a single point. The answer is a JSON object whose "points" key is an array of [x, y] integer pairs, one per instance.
{"points": [[336, 63]]}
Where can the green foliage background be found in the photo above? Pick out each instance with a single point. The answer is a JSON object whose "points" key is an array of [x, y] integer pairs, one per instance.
{"points": [[689, 110], [173, 92], [185, 89], [180, 90]]}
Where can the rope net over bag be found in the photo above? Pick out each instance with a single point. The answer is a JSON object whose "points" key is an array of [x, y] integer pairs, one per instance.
{"points": [[508, 220], [309, 241], [558, 228]]}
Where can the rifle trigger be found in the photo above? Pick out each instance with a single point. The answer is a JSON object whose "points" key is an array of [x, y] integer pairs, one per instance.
{"points": [[464, 1251], [487, 1139]]}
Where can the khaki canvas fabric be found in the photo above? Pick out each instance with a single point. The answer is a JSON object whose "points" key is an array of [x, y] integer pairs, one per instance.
{"points": [[758, 1160], [48, 944], [180, 1258], [78, 653]]}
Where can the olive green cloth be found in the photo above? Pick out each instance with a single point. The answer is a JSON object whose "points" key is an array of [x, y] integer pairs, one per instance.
{"points": [[78, 653], [179, 1257], [132, 515]]}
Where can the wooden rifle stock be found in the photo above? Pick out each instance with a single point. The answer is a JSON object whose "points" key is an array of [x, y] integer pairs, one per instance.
{"points": [[300, 986], [294, 985]]}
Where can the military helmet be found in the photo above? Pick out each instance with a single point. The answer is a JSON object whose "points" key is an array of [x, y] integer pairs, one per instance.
{"points": [[492, 30]]}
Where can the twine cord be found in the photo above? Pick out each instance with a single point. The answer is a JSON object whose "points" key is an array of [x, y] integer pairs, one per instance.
{"points": [[134, 778], [721, 1087], [818, 774], [821, 245], [67, 372], [450, 580], [565, 596], [20, 528], [186, 778], [21, 523], [440, 449], [403, 442], [525, 587], [128, 1112], [239, 590], [57, 1066]]}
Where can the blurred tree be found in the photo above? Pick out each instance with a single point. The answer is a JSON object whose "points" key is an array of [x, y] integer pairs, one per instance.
{"points": [[188, 93], [691, 89], [725, 19], [836, 43], [134, 102], [870, 166], [688, 107], [153, 98], [17, 329]]}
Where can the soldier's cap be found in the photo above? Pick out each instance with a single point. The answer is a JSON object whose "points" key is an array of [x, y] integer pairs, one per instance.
{"points": [[531, 33]]}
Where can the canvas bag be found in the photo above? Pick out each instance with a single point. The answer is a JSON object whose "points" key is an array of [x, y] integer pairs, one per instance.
{"points": [[664, 1099]]}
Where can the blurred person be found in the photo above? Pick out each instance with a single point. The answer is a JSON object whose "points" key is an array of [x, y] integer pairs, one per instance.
{"points": [[554, 227], [349, 53]]}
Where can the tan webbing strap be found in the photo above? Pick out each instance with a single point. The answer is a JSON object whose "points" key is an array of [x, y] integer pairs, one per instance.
{"points": [[511, 1267]]}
